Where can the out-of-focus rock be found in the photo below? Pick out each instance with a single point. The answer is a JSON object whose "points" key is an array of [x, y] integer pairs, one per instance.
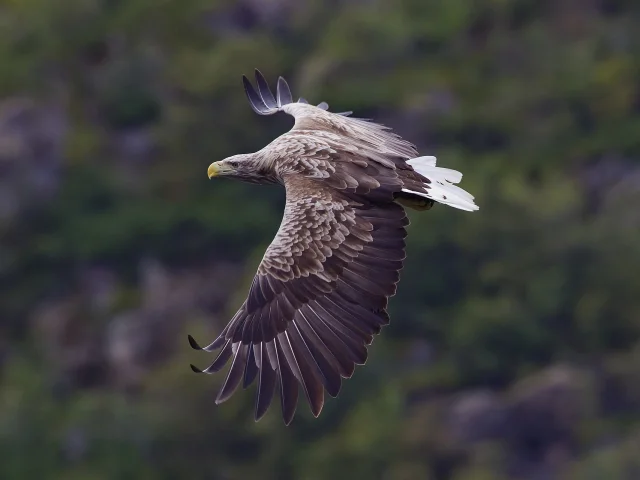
{"points": [[546, 407], [620, 384], [538, 418], [131, 339], [272, 12], [31, 149], [75, 445], [247, 14], [70, 342], [99, 285], [477, 416], [611, 183], [145, 336], [87, 345], [206, 287], [544, 412]]}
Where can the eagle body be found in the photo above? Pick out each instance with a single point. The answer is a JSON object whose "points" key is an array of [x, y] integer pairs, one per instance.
{"points": [[322, 288]]}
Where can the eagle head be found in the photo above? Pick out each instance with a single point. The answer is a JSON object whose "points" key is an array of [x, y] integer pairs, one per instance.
{"points": [[245, 167]]}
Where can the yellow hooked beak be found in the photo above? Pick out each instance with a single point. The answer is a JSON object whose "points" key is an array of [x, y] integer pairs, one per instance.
{"points": [[213, 170]]}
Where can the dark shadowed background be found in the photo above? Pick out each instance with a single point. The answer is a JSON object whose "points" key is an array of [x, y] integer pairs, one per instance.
{"points": [[514, 347]]}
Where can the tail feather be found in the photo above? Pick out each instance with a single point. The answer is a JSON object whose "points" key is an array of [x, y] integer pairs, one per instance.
{"points": [[441, 188]]}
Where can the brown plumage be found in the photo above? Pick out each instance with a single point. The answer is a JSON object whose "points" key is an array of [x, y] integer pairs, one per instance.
{"points": [[321, 291]]}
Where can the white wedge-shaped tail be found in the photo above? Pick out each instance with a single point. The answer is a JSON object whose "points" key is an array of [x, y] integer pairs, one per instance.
{"points": [[442, 188]]}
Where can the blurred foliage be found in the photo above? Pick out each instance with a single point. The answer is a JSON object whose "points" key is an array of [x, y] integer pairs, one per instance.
{"points": [[537, 102]]}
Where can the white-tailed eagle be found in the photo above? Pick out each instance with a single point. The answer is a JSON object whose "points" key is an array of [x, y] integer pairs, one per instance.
{"points": [[321, 291]]}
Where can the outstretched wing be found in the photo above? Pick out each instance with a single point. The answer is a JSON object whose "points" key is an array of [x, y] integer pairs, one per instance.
{"points": [[355, 132], [318, 298]]}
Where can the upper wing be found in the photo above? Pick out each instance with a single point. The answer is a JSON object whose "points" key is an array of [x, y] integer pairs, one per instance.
{"points": [[375, 140], [319, 296]]}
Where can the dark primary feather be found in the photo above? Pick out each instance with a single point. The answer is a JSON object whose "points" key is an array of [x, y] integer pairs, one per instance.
{"points": [[265, 92], [263, 101], [283, 92]]}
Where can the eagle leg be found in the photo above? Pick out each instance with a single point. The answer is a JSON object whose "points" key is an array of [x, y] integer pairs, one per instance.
{"points": [[414, 202]]}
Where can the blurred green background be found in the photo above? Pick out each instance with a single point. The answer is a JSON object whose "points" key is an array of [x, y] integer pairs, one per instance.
{"points": [[514, 347]]}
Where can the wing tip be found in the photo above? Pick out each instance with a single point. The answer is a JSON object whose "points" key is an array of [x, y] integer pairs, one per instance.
{"points": [[317, 410], [259, 413], [289, 419], [193, 344]]}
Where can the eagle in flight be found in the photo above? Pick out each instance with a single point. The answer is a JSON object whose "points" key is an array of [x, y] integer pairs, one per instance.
{"points": [[322, 288]]}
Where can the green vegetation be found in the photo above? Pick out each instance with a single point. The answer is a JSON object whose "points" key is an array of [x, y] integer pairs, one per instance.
{"points": [[514, 345]]}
